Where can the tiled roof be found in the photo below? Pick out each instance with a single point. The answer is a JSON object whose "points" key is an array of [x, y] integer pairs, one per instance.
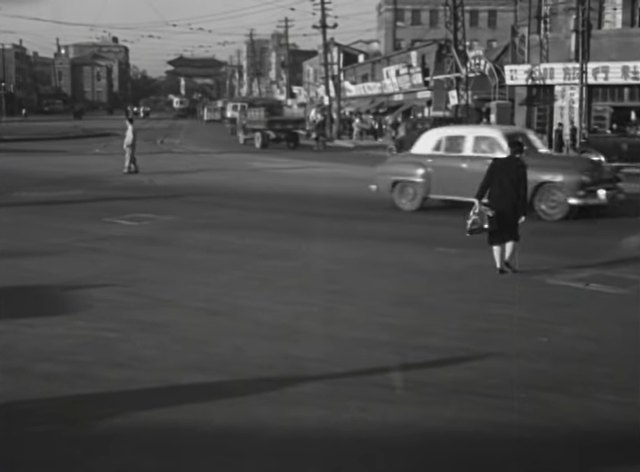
{"points": [[196, 62]]}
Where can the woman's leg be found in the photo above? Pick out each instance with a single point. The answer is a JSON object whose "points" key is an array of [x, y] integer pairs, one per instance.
{"points": [[510, 252], [498, 255]]}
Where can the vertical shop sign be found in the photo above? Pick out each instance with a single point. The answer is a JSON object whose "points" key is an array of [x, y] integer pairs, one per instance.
{"points": [[566, 109]]}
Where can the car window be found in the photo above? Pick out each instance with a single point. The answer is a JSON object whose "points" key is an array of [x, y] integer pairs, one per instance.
{"points": [[438, 146], [454, 144], [487, 145], [234, 107]]}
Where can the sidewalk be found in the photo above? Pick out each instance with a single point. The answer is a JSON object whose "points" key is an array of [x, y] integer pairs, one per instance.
{"points": [[367, 144], [31, 130]]}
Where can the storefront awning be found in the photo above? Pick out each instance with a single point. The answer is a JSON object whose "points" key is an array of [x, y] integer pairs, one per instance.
{"points": [[356, 104]]}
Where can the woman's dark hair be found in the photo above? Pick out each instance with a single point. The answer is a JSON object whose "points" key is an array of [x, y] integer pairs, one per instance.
{"points": [[516, 146]]}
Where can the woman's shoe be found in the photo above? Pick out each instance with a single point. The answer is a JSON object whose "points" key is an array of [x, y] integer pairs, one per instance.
{"points": [[501, 271], [509, 267]]}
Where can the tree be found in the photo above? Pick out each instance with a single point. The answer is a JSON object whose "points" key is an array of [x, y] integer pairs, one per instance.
{"points": [[143, 86]]}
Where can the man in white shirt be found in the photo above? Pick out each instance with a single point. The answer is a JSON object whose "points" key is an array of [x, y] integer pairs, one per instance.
{"points": [[129, 146]]}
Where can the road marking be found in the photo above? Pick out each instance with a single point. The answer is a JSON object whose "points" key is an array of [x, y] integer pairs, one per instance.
{"points": [[137, 219]]}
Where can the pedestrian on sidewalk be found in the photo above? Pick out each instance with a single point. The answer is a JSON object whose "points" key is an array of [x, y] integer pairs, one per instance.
{"points": [[129, 146], [505, 182], [558, 138]]}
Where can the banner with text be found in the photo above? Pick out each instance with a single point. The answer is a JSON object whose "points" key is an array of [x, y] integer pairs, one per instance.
{"points": [[568, 73]]}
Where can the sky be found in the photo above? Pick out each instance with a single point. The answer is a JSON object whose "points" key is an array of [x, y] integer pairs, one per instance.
{"points": [[158, 30]]}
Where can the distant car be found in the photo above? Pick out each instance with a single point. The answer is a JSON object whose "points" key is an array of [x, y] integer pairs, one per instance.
{"points": [[53, 106], [143, 111], [448, 163]]}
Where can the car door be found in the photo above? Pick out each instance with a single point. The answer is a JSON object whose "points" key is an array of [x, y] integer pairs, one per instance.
{"points": [[447, 173], [482, 151]]}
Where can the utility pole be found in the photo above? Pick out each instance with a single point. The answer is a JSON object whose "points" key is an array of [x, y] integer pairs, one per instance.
{"points": [[323, 27], [582, 42], [287, 57], [238, 90], [529, 15], [394, 25], [545, 18], [457, 56], [230, 67], [253, 71], [3, 84]]}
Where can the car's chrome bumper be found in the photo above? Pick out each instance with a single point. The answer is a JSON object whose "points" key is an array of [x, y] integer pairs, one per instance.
{"points": [[599, 196]]}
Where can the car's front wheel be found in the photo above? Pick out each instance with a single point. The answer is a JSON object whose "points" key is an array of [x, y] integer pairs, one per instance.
{"points": [[408, 196], [550, 202]]}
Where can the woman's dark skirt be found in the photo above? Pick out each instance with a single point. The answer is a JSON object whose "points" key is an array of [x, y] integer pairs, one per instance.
{"points": [[503, 227]]}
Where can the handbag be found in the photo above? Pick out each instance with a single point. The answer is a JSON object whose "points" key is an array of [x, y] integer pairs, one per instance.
{"points": [[478, 219]]}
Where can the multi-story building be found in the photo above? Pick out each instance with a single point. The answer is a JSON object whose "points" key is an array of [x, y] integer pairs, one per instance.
{"points": [[106, 52], [16, 69], [547, 85], [43, 73], [280, 65], [406, 23], [255, 60], [340, 56], [62, 72], [93, 76]]}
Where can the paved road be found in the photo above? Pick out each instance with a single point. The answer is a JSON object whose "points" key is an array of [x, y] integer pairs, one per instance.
{"points": [[238, 310]]}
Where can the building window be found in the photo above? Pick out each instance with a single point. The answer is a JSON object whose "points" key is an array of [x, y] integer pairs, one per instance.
{"points": [[474, 18], [399, 15], [434, 18], [611, 14], [635, 14], [492, 19], [400, 44], [492, 43], [59, 77], [416, 17], [364, 78]]}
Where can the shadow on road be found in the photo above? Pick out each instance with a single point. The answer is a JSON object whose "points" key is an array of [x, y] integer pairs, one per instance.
{"points": [[83, 410], [5, 150], [100, 199], [41, 301]]}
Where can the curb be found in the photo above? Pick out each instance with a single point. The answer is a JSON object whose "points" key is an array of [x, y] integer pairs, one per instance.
{"points": [[348, 145], [15, 139]]}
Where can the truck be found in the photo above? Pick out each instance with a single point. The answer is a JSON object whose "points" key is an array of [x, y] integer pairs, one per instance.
{"points": [[180, 106], [273, 123]]}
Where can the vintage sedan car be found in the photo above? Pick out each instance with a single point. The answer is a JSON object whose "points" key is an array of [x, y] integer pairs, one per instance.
{"points": [[449, 162]]}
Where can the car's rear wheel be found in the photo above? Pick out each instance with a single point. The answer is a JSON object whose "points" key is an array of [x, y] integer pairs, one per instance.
{"points": [[408, 196], [550, 203]]}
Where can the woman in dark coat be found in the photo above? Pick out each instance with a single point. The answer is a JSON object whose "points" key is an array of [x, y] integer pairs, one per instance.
{"points": [[505, 182]]}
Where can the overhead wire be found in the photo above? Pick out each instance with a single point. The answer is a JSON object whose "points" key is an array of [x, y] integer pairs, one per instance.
{"points": [[201, 33]]}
